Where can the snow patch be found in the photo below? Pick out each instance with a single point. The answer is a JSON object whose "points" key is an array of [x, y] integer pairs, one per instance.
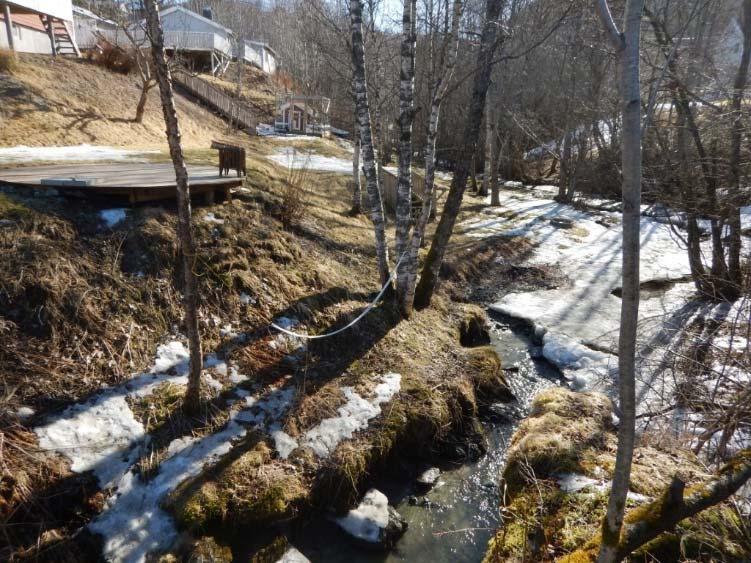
{"points": [[84, 152], [367, 520], [296, 159], [354, 415]]}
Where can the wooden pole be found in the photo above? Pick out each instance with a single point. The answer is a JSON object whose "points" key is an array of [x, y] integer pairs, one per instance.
{"points": [[9, 26], [48, 23]]}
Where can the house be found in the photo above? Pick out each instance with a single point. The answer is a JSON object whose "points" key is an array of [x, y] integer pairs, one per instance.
{"points": [[198, 39], [308, 115], [260, 55], [38, 26], [89, 27]]}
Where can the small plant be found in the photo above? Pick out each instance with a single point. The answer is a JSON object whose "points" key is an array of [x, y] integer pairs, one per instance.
{"points": [[293, 193], [113, 58], [8, 61]]}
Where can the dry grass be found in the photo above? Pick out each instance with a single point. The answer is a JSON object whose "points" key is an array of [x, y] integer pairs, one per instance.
{"points": [[68, 102], [8, 61]]}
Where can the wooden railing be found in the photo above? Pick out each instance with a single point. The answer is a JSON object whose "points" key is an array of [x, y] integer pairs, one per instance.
{"points": [[228, 106], [389, 183]]}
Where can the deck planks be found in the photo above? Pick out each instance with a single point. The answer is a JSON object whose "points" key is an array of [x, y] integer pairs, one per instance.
{"points": [[137, 181]]}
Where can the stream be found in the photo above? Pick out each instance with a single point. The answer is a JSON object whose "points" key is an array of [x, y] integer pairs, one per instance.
{"points": [[462, 512]]}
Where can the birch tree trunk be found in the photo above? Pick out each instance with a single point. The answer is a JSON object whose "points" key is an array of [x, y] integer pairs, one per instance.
{"points": [[192, 400], [488, 46], [356, 180], [627, 49], [404, 181], [734, 215], [366, 138], [565, 175], [438, 93]]}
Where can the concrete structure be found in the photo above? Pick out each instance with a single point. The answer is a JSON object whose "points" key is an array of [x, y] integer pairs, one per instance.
{"points": [[38, 26]]}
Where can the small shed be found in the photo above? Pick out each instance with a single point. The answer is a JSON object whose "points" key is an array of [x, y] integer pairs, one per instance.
{"points": [[308, 115], [260, 55], [89, 27]]}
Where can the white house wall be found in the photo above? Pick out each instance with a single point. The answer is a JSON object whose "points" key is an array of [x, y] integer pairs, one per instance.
{"points": [[61, 9], [27, 40]]}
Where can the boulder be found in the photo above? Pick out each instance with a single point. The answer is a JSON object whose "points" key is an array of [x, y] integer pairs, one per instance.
{"points": [[428, 478], [293, 556], [374, 523]]}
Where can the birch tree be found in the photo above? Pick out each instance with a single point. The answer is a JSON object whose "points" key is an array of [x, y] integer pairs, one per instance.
{"points": [[192, 399], [626, 45], [442, 77], [370, 169], [490, 39], [404, 182]]}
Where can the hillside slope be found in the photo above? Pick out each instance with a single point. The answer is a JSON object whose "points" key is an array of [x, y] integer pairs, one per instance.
{"points": [[69, 102]]}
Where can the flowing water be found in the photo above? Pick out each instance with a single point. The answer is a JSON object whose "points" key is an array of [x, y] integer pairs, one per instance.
{"points": [[462, 511]]}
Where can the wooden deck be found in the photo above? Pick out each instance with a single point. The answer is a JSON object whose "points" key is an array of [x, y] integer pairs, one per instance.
{"points": [[137, 182]]}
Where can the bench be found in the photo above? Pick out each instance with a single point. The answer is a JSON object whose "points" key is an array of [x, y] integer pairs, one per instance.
{"points": [[231, 157]]}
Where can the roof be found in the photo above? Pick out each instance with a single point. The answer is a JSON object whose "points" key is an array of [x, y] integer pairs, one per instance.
{"points": [[60, 9], [199, 17], [83, 12], [264, 45], [32, 21]]}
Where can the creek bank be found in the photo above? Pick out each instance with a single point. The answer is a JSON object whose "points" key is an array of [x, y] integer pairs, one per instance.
{"points": [[556, 481]]}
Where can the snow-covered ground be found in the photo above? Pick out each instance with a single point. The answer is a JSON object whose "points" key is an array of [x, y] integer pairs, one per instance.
{"points": [[68, 153], [289, 157]]}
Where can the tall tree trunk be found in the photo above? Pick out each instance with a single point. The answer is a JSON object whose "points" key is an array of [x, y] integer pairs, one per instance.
{"points": [[565, 176], [368, 154], [734, 214], [404, 181], [437, 95], [488, 165], [488, 46], [627, 48], [356, 180], [495, 200], [185, 235]]}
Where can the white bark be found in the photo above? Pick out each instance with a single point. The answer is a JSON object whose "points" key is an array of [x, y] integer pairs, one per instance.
{"points": [[404, 181], [370, 169], [627, 47]]}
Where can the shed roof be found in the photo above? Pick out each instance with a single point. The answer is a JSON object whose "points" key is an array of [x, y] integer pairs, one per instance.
{"points": [[194, 15]]}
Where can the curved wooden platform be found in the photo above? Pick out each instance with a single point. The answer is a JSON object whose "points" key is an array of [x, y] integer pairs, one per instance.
{"points": [[137, 181]]}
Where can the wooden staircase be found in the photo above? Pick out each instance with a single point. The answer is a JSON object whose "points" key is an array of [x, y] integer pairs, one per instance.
{"points": [[60, 37]]}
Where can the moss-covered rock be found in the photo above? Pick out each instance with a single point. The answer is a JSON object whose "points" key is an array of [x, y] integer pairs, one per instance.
{"points": [[485, 369]]}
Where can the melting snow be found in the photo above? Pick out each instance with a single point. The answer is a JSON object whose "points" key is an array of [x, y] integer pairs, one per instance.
{"points": [[354, 415], [74, 152], [367, 520], [297, 159]]}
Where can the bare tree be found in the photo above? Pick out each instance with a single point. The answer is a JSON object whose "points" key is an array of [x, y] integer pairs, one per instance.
{"points": [[370, 169], [404, 182], [490, 39], [626, 45], [192, 400], [444, 71]]}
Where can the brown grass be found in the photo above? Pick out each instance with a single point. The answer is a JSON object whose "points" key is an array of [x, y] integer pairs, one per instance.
{"points": [[8, 61]]}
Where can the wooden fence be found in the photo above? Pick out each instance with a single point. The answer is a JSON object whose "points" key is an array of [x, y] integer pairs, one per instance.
{"points": [[213, 96], [389, 182]]}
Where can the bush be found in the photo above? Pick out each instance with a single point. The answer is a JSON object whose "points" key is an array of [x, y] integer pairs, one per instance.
{"points": [[8, 60], [293, 193], [113, 58]]}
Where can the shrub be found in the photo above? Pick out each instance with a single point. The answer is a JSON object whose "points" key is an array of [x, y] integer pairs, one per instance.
{"points": [[293, 193], [113, 58], [8, 60]]}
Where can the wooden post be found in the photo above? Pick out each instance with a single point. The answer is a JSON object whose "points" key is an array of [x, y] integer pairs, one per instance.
{"points": [[9, 26], [51, 32]]}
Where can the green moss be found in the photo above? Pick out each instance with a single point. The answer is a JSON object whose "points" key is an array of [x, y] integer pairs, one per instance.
{"points": [[11, 210]]}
